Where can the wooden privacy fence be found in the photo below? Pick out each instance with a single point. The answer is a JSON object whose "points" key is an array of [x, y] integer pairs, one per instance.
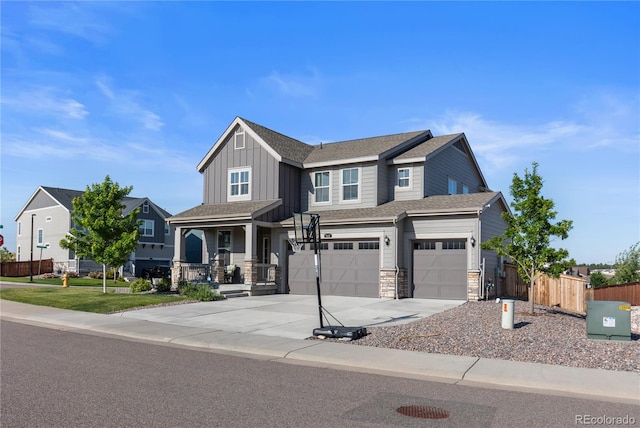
{"points": [[22, 268], [568, 292], [620, 292]]}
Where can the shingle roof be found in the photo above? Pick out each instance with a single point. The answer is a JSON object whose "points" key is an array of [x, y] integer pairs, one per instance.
{"points": [[66, 196], [390, 210], [358, 148], [427, 147], [245, 210], [287, 147]]}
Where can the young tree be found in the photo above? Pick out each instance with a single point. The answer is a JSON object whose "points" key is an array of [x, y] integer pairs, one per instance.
{"points": [[526, 239], [101, 231], [628, 265], [598, 279]]}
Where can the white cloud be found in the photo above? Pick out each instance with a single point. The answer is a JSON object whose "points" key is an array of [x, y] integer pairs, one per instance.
{"points": [[77, 19], [124, 103], [45, 100], [295, 85]]}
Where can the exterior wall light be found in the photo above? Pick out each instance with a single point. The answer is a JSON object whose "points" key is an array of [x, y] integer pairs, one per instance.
{"points": [[473, 241], [387, 240]]}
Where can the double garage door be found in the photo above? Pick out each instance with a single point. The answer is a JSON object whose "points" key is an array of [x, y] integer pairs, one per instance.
{"points": [[348, 268], [440, 269]]}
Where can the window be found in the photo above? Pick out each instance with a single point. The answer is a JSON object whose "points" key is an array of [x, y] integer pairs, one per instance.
{"points": [[403, 178], [429, 245], [238, 139], [145, 208], [146, 227], [224, 245], [321, 246], [322, 184], [48, 219], [465, 189], [350, 184], [18, 254], [167, 229], [369, 245], [19, 228], [239, 184], [40, 236], [343, 246], [453, 186], [454, 245]]}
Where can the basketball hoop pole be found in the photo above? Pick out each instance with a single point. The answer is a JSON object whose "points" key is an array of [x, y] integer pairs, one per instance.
{"points": [[316, 259]]}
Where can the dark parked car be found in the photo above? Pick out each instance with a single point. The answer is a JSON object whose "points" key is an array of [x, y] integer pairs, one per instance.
{"points": [[156, 272]]}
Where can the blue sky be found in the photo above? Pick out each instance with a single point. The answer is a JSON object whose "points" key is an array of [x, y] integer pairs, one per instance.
{"points": [[141, 90]]}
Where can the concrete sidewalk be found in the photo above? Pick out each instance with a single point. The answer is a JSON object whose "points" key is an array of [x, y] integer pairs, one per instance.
{"points": [[274, 327]]}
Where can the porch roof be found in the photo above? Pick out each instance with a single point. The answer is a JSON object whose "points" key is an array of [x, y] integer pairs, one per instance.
{"points": [[247, 210], [433, 205]]}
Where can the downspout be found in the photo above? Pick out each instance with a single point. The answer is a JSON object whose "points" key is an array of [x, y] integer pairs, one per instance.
{"points": [[479, 261], [395, 253]]}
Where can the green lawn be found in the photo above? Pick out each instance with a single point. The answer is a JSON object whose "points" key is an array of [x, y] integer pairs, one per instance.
{"points": [[86, 299], [85, 281]]}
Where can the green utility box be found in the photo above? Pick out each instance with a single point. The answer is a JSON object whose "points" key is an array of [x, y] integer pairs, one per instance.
{"points": [[608, 320]]}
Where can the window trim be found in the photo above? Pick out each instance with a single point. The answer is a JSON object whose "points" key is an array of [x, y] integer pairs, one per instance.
{"points": [[358, 184], [315, 189], [144, 228], [167, 229], [465, 189], [145, 207], [40, 236], [239, 196], [236, 146], [408, 178], [19, 228]]}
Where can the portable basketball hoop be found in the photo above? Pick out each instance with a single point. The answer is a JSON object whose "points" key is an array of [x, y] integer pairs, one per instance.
{"points": [[307, 231]]}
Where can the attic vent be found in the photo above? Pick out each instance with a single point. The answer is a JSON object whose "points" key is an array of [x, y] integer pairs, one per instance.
{"points": [[458, 145]]}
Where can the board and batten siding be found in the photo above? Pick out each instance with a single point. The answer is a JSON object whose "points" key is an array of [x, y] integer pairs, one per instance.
{"points": [[367, 190], [264, 178], [453, 163]]}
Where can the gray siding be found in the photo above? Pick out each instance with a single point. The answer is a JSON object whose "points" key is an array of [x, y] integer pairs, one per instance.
{"points": [[41, 200], [265, 172], [416, 189], [384, 177], [451, 162], [53, 231], [368, 191], [492, 225]]}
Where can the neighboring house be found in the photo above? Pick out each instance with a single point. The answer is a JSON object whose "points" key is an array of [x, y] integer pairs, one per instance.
{"points": [[50, 210], [401, 215]]}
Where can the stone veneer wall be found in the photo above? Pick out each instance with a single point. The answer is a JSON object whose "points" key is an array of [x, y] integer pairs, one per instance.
{"points": [[388, 283], [250, 272], [473, 284]]}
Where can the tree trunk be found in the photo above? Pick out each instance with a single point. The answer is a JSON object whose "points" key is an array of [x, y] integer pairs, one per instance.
{"points": [[104, 278], [531, 291]]}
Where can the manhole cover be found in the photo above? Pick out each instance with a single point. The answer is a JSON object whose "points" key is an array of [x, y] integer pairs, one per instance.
{"points": [[425, 412]]}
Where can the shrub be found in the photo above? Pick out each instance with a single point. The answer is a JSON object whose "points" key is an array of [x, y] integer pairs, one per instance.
{"points": [[163, 286], [201, 292], [139, 285], [598, 280], [98, 274], [49, 275]]}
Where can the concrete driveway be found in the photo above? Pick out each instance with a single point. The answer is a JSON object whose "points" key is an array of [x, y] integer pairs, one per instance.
{"points": [[291, 316]]}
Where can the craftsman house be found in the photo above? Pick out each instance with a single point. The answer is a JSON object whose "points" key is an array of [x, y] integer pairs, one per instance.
{"points": [[47, 217], [401, 215]]}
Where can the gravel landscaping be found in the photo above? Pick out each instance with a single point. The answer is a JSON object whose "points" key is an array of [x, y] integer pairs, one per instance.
{"points": [[550, 336]]}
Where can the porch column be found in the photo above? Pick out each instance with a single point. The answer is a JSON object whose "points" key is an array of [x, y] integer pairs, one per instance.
{"points": [[251, 254], [178, 254], [210, 246]]}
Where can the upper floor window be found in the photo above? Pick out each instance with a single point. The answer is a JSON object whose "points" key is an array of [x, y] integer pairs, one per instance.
{"points": [[19, 228], [351, 184], [404, 177], [322, 184], [465, 189], [238, 139], [146, 227], [40, 236], [452, 186], [145, 208], [167, 229], [240, 184]]}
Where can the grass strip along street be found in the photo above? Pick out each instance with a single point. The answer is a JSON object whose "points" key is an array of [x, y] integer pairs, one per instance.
{"points": [[86, 299]]}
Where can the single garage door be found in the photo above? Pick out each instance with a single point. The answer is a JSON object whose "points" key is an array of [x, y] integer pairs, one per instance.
{"points": [[440, 269], [348, 268]]}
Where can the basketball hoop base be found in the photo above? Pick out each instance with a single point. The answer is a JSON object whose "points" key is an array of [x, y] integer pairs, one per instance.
{"points": [[340, 331]]}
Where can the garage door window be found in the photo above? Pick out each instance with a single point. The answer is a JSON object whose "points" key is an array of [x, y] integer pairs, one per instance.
{"points": [[343, 246], [453, 245], [374, 245], [430, 245]]}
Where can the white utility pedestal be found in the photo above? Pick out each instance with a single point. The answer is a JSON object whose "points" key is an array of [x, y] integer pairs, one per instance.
{"points": [[507, 313]]}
